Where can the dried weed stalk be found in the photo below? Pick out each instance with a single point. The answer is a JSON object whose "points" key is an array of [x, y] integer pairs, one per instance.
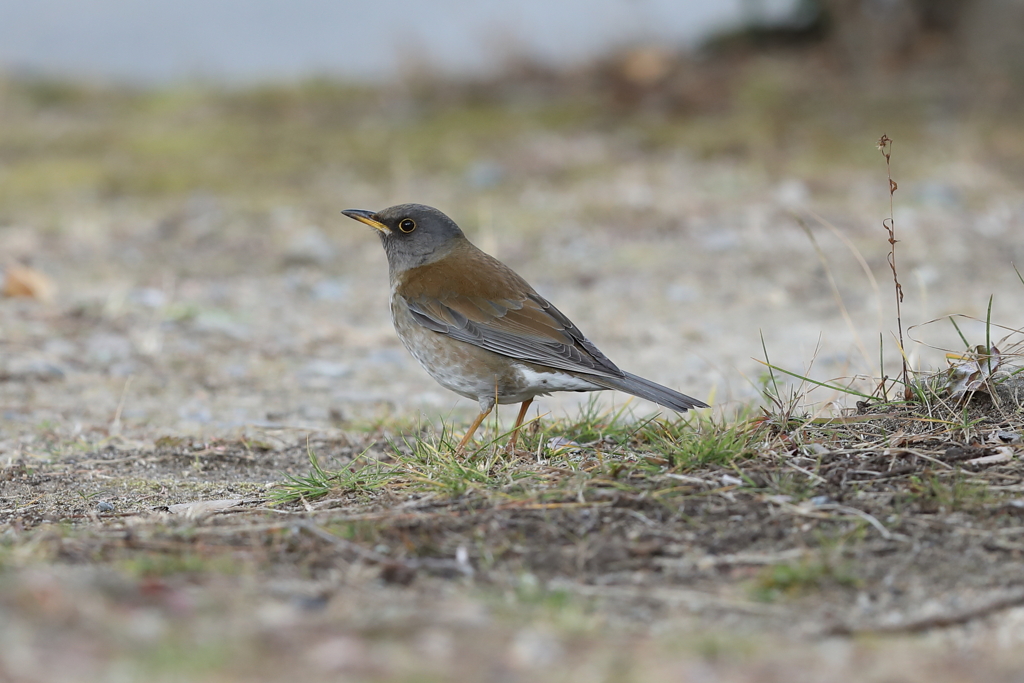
{"points": [[885, 146]]}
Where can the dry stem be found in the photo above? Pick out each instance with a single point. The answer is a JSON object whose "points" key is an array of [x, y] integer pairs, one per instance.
{"points": [[885, 146]]}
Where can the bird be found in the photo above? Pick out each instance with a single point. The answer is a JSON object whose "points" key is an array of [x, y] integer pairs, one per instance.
{"points": [[481, 330]]}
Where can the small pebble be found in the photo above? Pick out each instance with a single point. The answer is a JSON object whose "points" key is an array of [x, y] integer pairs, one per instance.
{"points": [[1008, 437], [813, 449]]}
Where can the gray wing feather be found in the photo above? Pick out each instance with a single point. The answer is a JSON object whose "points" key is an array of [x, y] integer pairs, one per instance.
{"points": [[518, 342]]}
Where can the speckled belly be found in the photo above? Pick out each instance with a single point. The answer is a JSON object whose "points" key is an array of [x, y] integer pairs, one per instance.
{"points": [[474, 372]]}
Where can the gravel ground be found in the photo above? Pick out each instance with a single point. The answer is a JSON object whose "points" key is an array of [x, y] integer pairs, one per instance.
{"points": [[198, 341]]}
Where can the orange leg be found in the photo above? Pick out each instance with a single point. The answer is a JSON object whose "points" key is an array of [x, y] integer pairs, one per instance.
{"points": [[519, 423], [472, 428]]}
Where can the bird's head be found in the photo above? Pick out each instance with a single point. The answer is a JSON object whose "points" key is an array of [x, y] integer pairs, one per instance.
{"points": [[412, 234]]}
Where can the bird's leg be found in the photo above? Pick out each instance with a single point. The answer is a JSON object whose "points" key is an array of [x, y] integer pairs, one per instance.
{"points": [[519, 423], [472, 428]]}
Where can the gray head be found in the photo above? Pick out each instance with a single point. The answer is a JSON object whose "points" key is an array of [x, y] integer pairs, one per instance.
{"points": [[412, 234]]}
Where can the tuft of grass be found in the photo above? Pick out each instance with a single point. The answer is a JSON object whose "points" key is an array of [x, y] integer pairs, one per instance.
{"points": [[598, 454], [432, 465], [594, 424], [318, 482], [314, 485], [689, 443]]}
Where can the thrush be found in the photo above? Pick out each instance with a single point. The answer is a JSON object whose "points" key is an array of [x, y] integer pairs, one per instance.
{"points": [[480, 330]]}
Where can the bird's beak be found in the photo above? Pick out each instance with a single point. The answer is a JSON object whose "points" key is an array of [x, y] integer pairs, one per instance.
{"points": [[368, 217]]}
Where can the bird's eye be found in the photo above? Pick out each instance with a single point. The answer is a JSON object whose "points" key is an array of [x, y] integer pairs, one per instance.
{"points": [[407, 225]]}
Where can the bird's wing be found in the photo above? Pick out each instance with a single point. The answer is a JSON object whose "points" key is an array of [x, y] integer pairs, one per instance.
{"points": [[528, 329]]}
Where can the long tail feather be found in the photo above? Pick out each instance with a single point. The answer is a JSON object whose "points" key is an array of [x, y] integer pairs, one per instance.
{"points": [[645, 388]]}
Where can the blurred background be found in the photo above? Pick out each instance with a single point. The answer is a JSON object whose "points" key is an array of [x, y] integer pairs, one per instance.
{"points": [[694, 183]]}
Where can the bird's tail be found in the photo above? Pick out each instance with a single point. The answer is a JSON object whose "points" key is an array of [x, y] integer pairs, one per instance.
{"points": [[645, 388]]}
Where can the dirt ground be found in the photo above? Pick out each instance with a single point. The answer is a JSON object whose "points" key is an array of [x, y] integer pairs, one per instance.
{"points": [[201, 342], [894, 564]]}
